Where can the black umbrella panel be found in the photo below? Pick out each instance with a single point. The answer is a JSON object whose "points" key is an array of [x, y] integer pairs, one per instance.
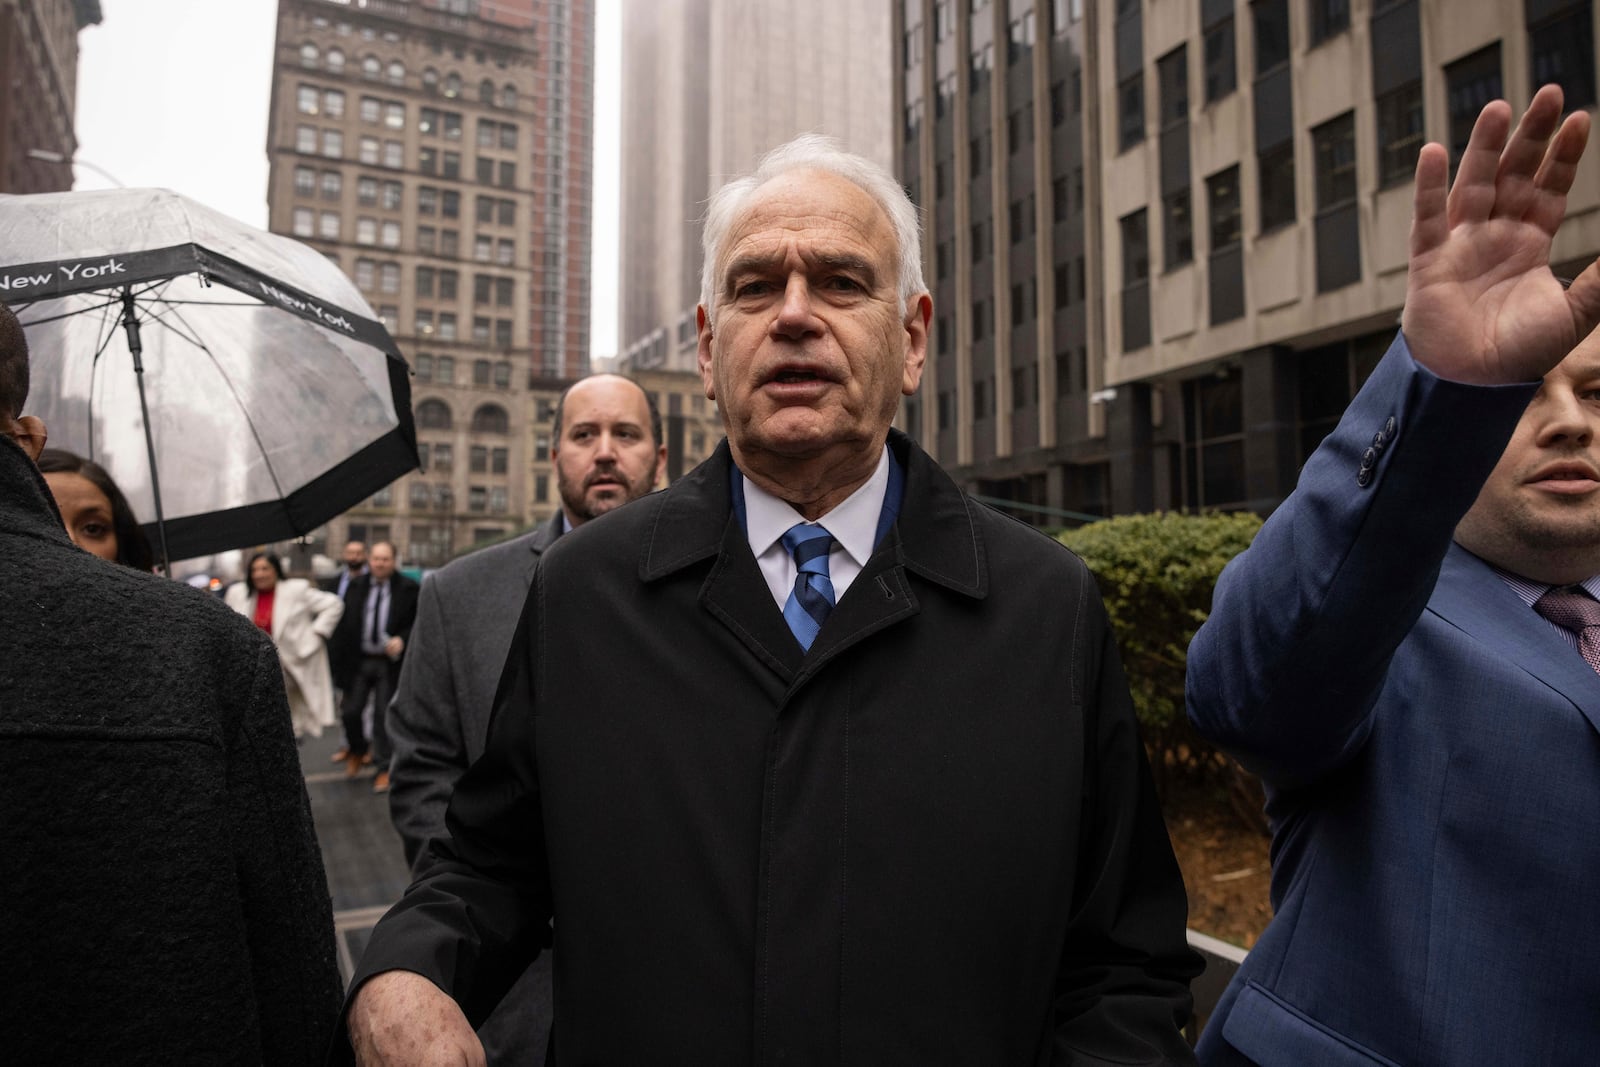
{"points": [[235, 384]]}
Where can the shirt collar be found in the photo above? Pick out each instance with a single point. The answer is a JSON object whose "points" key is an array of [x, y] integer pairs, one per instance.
{"points": [[853, 523], [1531, 591]]}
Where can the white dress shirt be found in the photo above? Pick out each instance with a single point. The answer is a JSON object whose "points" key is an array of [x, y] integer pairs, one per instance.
{"points": [[853, 524]]}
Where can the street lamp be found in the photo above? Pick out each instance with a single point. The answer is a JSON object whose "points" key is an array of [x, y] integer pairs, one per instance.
{"points": [[46, 156]]}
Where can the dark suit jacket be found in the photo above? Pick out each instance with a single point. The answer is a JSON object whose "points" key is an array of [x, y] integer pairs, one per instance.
{"points": [[439, 722], [162, 896], [403, 593], [930, 840], [1432, 750]]}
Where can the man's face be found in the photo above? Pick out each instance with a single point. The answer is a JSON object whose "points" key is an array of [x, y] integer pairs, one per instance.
{"points": [[381, 563], [355, 555], [1538, 515], [809, 352], [606, 455]]}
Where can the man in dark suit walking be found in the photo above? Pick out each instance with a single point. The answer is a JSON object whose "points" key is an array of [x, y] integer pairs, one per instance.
{"points": [[1407, 655], [380, 608], [341, 658], [608, 451], [747, 751]]}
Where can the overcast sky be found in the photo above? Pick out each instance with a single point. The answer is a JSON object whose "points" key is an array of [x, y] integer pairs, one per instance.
{"points": [[174, 93]]}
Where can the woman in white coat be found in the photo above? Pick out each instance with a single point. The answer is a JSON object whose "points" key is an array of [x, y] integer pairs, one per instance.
{"points": [[299, 618]]}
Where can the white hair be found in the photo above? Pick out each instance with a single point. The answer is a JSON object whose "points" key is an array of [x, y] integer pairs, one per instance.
{"points": [[814, 151]]}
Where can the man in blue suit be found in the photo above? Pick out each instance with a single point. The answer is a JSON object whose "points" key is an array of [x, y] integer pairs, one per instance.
{"points": [[1430, 743]]}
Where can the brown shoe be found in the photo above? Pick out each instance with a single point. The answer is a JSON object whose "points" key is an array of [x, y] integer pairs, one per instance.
{"points": [[366, 758], [380, 784], [352, 766], [341, 755]]}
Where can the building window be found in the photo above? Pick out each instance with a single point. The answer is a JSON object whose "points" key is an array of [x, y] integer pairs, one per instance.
{"points": [[305, 139], [332, 144], [394, 116], [335, 61], [1561, 49], [1172, 74], [478, 461], [1399, 133], [332, 185], [389, 278], [369, 109], [367, 151], [1177, 229], [389, 235], [1270, 19], [1130, 111], [328, 225], [980, 320], [333, 104], [392, 194], [425, 277], [304, 222], [1213, 441], [305, 181], [1221, 72], [450, 204], [1276, 186], [1222, 203], [308, 55], [308, 101], [1327, 18], [424, 367], [1135, 233], [1335, 145], [447, 326], [1470, 83], [502, 374], [491, 418], [434, 414], [394, 154], [445, 373]]}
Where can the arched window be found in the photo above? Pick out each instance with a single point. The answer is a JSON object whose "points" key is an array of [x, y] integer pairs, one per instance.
{"points": [[336, 61], [430, 80], [308, 55], [397, 72], [452, 84], [371, 67], [486, 92], [508, 96], [491, 418], [435, 415]]}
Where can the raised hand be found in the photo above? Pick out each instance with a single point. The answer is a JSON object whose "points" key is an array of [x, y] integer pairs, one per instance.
{"points": [[1481, 303]]}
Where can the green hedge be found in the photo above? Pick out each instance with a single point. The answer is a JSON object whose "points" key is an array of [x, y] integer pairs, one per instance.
{"points": [[1156, 574]]}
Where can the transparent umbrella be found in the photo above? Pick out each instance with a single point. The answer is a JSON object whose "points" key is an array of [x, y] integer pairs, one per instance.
{"points": [[233, 382]]}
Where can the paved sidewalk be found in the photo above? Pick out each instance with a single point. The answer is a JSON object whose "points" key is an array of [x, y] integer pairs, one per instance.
{"points": [[362, 853]]}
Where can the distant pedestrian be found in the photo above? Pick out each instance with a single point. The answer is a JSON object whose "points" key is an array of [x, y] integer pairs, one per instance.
{"points": [[380, 608], [299, 618]]}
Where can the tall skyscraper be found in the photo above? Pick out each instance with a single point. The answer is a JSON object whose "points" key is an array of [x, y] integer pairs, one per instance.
{"points": [[707, 87], [438, 152], [1168, 241], [39, 91]]}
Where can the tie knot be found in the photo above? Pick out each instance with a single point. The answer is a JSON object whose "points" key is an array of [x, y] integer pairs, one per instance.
{"points": [[1570, 608], [809, 544]]}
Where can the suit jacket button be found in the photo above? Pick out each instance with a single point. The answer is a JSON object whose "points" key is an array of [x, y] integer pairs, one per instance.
{"points": [[1369, 459], [1364, 476], [1388, 429]]}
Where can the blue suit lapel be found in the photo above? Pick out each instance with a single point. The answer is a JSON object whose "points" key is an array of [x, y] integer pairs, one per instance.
{"points": [[1471, 597]]}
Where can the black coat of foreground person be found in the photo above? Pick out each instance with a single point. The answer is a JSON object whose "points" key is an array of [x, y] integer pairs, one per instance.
{"points": [[810, 758]]}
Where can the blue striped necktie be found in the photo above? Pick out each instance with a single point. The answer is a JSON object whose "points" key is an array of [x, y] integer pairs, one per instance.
{"points": [[812, 598]]}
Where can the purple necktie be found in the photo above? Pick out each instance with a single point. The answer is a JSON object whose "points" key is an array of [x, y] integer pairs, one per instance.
{"points": [[1573, 609]]}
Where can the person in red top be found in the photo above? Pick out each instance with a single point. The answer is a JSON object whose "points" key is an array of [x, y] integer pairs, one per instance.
{"points": [[299, 617]]}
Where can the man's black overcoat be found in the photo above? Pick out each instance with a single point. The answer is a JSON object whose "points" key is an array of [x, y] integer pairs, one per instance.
{"points": [[930, 840]]}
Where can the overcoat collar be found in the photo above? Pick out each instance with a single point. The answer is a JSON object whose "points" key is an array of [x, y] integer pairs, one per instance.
{"points": [[26, 506], [935, 538], [1470, 596]]}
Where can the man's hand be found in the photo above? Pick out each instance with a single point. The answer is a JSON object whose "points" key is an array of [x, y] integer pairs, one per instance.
{"points": [[1481, 303], [402, 1018], [394, 646]]}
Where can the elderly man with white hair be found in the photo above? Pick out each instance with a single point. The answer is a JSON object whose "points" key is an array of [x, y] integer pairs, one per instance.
{"points": [[809, 758]]}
